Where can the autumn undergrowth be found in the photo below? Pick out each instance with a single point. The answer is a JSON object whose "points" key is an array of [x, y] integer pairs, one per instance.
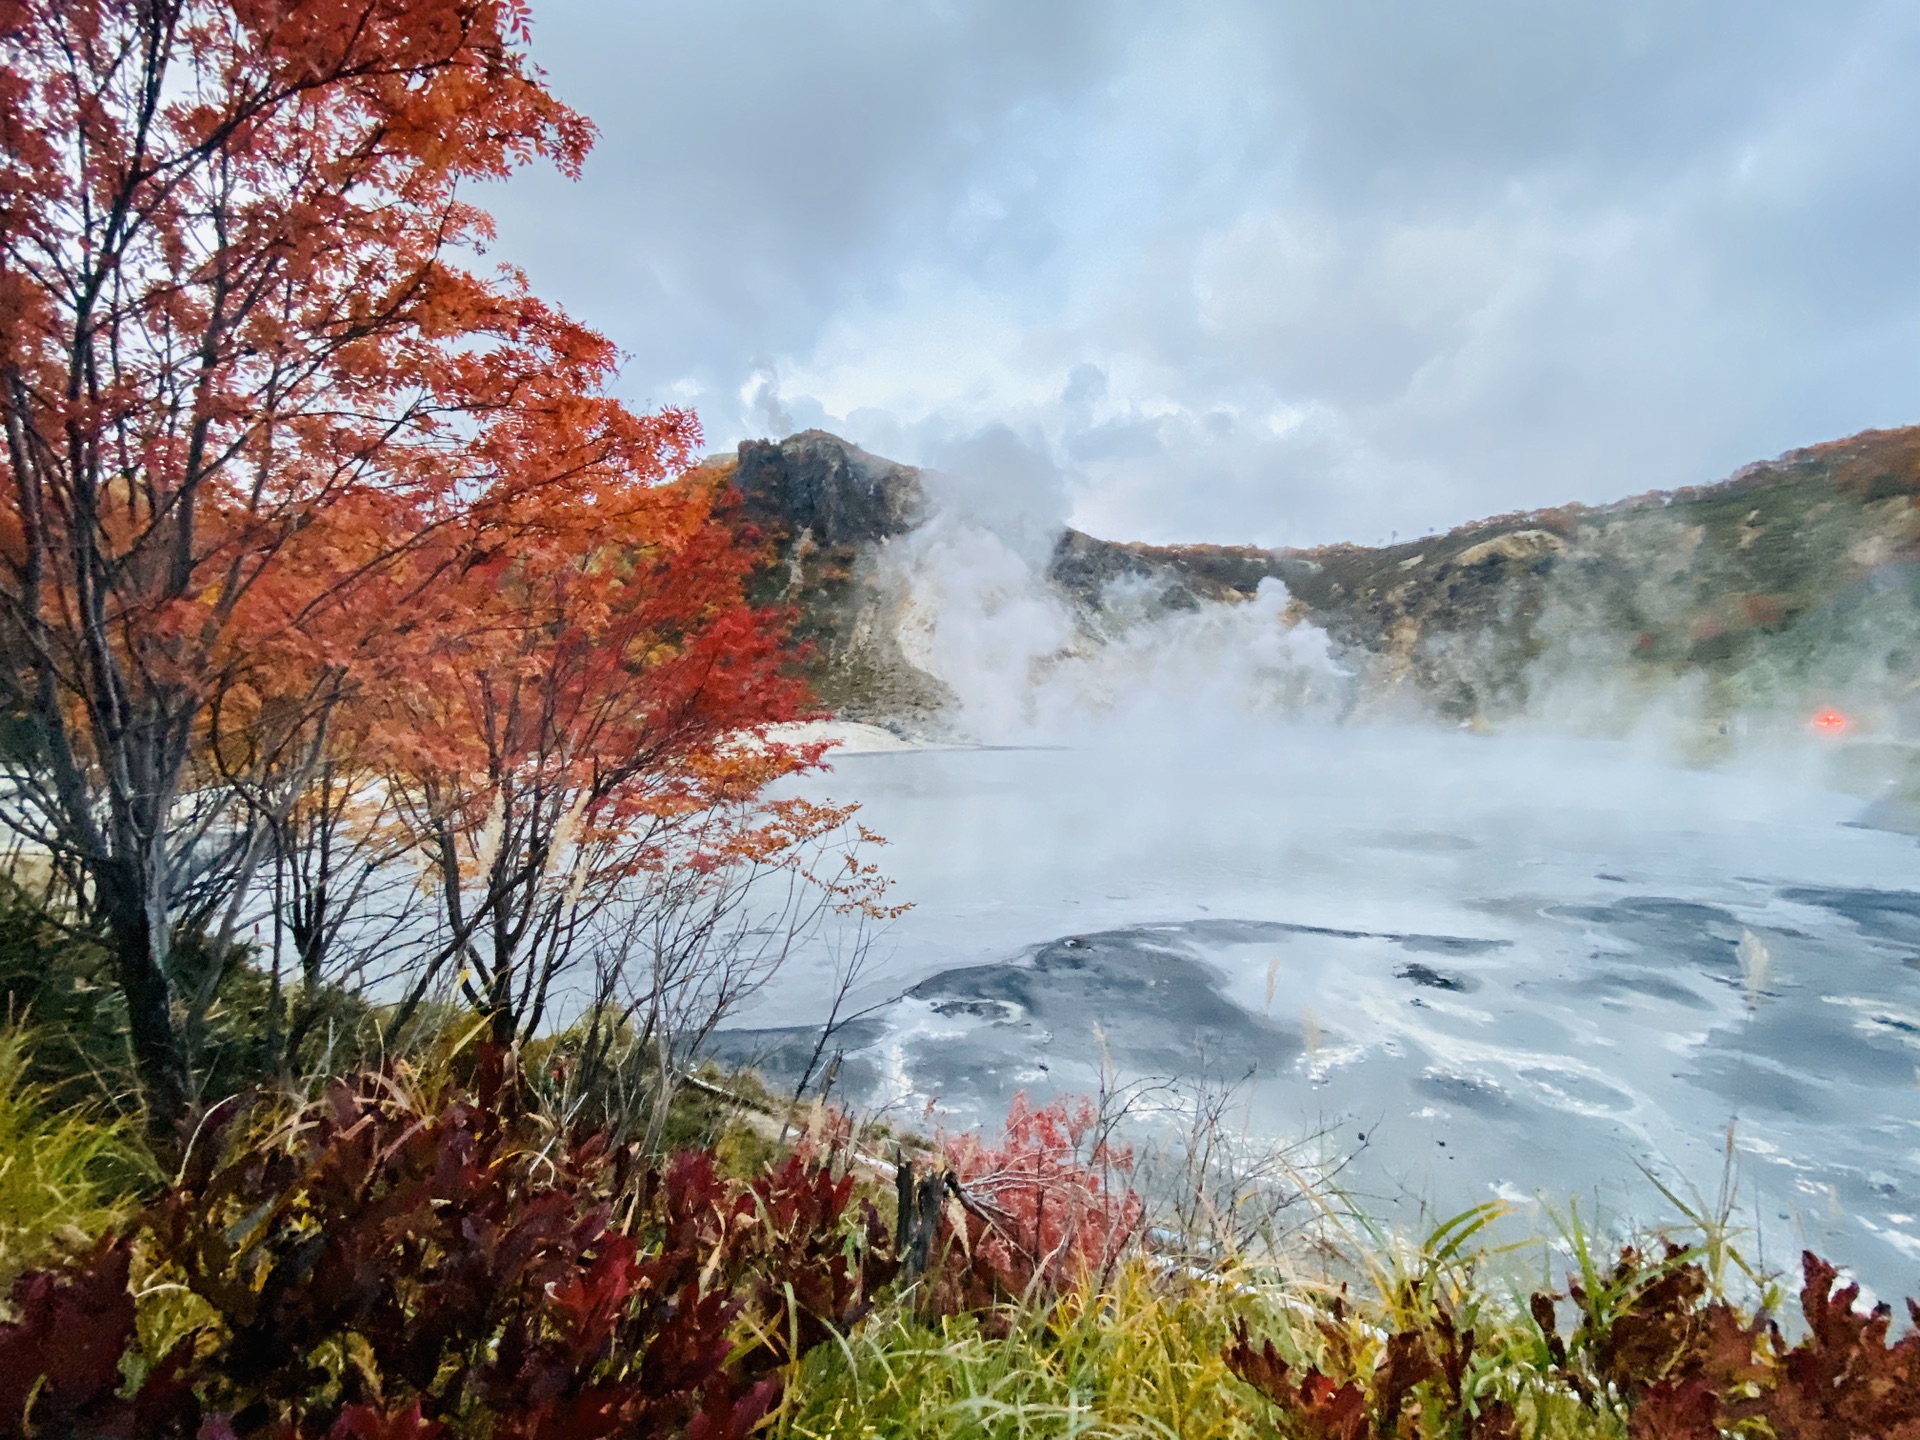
{"points": [[421, 1253], [1141, 1356], [1160, 1350], [1640, 1346]]}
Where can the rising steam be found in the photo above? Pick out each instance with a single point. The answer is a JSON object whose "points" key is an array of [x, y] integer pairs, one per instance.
{"points": [[976, 610]]}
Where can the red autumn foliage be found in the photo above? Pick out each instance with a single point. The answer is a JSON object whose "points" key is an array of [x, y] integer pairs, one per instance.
{"points": [[62, 1356], [1317, 1406], [1687, 1367], [1050, 1204], [1654, 1350], [1650, 1340], [1351, 1405], [290, 481], [381, 1272], [1844, 1379], [582, 703]]}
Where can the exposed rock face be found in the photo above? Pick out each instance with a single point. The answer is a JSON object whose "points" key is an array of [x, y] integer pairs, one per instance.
{"points": [[829, 506], [1796, 581], [1187, 576], [836, 494], [1792, 582]]}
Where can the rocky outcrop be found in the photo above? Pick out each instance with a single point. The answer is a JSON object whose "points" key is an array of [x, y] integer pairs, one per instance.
{"points": [[1791, 584], [827, 507], [1183, 577], [834, 494], [1795, 582]]}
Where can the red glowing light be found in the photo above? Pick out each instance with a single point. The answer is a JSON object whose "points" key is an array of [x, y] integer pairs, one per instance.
{"points": [[1832, 721]]}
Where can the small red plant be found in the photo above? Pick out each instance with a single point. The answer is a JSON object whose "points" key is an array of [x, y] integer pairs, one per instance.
{"points": [[1845, 1379], [1051, 1203], [62, 1356], [1359, 1403], [1687, 1367], [1317, 1406]]}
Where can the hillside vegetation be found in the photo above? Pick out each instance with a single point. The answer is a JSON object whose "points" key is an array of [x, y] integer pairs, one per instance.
{"points": [[391, 747]]}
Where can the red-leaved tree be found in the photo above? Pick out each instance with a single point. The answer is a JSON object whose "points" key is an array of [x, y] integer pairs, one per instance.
{"points": [[268, 430], [594, 696]]}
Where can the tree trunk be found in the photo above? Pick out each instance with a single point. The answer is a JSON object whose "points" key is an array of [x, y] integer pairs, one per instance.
{"points": [[139, 949]]}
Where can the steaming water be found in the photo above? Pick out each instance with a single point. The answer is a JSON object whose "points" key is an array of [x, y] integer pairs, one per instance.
{"points": [[1523, 967]]}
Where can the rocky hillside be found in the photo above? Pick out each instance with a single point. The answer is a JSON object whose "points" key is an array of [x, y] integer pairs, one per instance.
{"points": [[1791, 585]]}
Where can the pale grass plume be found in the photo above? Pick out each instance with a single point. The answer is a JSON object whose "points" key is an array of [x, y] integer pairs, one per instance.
{"points": [[566, 834], [567, 846], [487, 846], [1756, 965]]}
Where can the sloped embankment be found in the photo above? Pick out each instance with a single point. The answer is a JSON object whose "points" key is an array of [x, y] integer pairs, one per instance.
{"points": [[1792, 584]]}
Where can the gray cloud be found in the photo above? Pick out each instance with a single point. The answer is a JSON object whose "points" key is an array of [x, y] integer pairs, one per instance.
{"points": [[761, 162], [1253, 270]]}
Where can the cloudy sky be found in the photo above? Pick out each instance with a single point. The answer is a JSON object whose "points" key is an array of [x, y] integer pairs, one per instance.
{"points": [[1283, 271]]}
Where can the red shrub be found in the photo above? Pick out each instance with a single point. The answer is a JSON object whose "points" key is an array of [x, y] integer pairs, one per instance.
{"points": [[1051, 1203], [62, 1356], [380, 1273], [1844, 1379], [1317, 1406], [1356, 1403], [1652, 1341], [1690, 1368]]}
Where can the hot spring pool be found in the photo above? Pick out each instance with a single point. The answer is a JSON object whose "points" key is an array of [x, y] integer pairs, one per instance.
{"points": [[1529, 968]]}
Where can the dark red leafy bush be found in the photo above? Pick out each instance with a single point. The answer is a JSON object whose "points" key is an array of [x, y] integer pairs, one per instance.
{"points": [[1650, 1342], [379, 1272], [1652, 1346], [62, 1355], [1369, 1405], [1690, 1368], [1317, 1406], [1844, 1379]]}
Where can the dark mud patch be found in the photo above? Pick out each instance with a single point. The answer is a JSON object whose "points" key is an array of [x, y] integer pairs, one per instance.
{"points": [[1656, 987], [1141, 998], [1753, 1084], [1436, 979], [1154, 1005], [1467, 1092], [781, 1054], [997, 1011], [1682, 932]]}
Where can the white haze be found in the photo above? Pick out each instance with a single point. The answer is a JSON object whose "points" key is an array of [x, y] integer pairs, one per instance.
{"points": [[979, 613], [1268, 271]]}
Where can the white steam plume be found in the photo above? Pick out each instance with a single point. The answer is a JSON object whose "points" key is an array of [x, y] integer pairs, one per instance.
{"points": [[978, 612]]}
